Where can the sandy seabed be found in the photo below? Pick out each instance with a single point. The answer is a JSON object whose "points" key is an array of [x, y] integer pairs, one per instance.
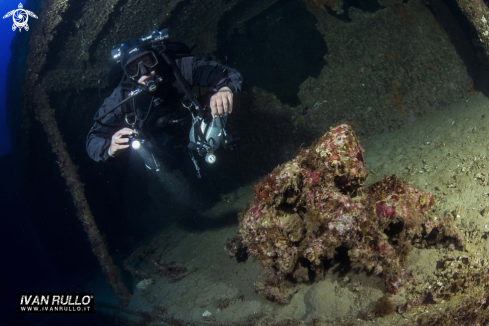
{"points": [[445, 153]]}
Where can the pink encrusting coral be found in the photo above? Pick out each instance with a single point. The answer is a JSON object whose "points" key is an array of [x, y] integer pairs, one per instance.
{"points": [[307, 208]]}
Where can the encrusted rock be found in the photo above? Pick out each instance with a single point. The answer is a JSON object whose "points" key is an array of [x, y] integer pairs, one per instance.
{"points": [[145, 284], [308, 207]]}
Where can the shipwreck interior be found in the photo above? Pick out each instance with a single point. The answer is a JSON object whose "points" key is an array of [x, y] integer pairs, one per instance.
{"points": [[307, 65]]}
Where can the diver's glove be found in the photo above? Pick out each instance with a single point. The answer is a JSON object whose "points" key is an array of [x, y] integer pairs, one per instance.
{"points": [[230, 142]]}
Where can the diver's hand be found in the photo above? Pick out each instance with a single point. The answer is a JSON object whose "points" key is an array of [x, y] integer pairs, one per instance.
{"points": [[120, 141], [222, 102]]}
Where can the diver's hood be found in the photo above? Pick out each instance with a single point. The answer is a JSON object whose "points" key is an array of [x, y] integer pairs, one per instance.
{"points": [[136, 48], [133, 50]]}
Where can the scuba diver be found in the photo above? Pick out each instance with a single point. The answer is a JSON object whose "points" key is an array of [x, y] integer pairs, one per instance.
{"points": [[154, 111]]}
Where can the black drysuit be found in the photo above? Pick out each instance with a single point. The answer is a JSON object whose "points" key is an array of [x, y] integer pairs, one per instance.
{"points": [[195, 71]]}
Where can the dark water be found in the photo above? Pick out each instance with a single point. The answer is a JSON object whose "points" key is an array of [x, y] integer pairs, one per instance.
{"points": [[280, 47], [42, 244]]}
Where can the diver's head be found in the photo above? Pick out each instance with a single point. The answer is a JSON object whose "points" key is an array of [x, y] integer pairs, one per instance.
{"points": [[139, 61]]}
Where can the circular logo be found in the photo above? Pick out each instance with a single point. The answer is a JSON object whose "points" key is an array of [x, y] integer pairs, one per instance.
{"points": [[20, 18]]}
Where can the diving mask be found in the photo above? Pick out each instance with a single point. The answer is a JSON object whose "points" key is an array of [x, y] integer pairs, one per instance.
{"points": [[141, 65]]}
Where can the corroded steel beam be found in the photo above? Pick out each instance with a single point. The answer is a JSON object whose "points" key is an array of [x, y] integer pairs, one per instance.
{"points": [[36, 97]]}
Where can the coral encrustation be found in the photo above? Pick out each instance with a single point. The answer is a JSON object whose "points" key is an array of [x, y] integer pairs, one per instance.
{"points": [[308, 207]]}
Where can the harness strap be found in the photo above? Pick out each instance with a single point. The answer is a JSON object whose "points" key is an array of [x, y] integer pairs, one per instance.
{"points": [[126, 87], [181, 80]]}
